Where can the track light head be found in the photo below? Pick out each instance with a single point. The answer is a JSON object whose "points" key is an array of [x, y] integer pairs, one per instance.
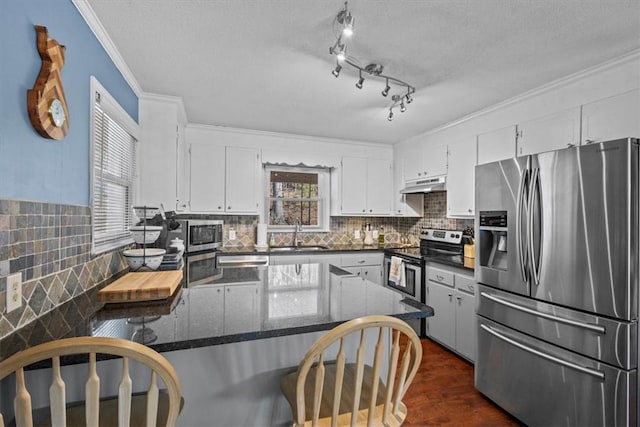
{"points": [[336, 71], [408, 96], [390, 117], [386, 90], [403, 108], [349, 20], [360, 81]]}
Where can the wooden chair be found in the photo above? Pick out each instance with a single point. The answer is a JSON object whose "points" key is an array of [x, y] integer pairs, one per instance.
{"points": [[136, 409], [344, 393]]}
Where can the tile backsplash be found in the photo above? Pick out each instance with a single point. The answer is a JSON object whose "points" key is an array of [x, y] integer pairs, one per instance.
{"points": [[50, 245]]}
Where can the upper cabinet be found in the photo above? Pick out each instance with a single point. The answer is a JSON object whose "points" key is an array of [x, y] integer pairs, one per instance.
{"points": [[408, 205], [223, 179], [611, 118], [366, 186], [551, 132], [461, 178], [497, 145], [425, 161], [161, 154]]}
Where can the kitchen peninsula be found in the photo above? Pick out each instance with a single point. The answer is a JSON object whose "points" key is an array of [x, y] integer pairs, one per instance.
{"points": [[231, 340]]}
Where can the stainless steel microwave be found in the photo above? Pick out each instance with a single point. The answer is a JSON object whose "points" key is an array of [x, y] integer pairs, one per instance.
{"points": [[199, 234]]}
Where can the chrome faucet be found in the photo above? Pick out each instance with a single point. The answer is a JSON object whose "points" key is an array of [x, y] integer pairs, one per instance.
{"points": [[296, 227]]}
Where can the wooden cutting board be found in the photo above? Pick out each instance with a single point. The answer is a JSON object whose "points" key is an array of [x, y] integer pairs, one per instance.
{"points": [[142, 286]]}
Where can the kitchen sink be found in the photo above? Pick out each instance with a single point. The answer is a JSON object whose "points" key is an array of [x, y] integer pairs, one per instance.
{"points": [[298, 248]]}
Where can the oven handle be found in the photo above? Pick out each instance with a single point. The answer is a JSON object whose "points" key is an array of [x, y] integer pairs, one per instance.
{"points": [[595, 328], [249, 262], [583, 369], [445, 252]]}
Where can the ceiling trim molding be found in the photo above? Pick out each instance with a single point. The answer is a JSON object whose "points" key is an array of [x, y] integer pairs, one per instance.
{"points": [[87, 13], [633, 55], [280, 135], [169, 99]]}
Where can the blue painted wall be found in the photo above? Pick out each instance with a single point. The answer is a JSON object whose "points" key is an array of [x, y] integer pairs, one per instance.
{"points": [[33, 167]]}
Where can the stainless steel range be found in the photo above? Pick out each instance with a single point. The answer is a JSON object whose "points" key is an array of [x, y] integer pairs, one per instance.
{"points": [[443, 246]]}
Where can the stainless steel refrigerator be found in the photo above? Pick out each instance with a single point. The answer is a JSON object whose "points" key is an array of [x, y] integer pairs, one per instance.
{"points": [[557, 260]]}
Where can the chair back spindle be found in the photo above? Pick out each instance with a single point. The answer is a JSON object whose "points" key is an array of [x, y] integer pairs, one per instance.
{"points": [[60, 412]]}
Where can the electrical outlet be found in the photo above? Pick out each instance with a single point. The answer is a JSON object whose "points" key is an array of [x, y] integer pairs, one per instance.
{"points": [[14, 291]]}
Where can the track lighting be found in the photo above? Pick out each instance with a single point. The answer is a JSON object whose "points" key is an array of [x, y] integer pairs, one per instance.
{"points": [[360, 81], [336, 71], [386, 90], [343, 27]]}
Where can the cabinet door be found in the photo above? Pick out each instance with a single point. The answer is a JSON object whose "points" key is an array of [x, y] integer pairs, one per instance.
{"points": [[496, 145], [612, 118], [206, 179], [465, 325], [442, 326], [354, 185], [411, 161], [552, 132], [379, 184], [434, 159], [461, 179], [242, 180], [372, 273], [241, 310]]}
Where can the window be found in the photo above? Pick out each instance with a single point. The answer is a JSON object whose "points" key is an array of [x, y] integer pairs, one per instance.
{"points": [[113, 171], [295, 193]]}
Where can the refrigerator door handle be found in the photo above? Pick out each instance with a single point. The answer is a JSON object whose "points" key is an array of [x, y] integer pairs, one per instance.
{"points": [[594, 328], [520, 247], [583, 369], [533, 192]]}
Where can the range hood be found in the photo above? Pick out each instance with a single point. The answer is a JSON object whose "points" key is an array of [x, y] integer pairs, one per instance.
{"points": [[426, 185]]}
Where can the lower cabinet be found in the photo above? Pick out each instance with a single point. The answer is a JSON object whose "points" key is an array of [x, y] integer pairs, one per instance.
{"points": [[366, 265], [452, 296]]}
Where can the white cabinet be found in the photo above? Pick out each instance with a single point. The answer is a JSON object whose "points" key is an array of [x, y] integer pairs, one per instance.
{"points": [[461, 178], [223, 179], [284, 259], [161, 154], [241, 180], [407, 205], [551, 132], [497, 145], [612, 118], [366, 186], [452, 296], [366, 265], [207, 163], [425, 160]]}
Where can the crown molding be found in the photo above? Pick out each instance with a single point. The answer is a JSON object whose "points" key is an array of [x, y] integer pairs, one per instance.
{"points": [[169, 99], [555, 84], [280, 135], [98, 30]]}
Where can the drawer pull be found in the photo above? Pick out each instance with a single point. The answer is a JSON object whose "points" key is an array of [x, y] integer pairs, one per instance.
{"points": [[593, 372], [595, 328]]}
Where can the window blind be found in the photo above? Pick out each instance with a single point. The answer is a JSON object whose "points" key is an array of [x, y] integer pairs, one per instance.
{"points": [[114, 169]]}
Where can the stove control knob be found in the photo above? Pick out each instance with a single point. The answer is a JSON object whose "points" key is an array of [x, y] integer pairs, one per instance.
{"points": [[452, 235], [457, 236]]}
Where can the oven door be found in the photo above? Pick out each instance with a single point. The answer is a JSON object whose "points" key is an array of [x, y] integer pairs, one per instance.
{"points": [[413, 279]]}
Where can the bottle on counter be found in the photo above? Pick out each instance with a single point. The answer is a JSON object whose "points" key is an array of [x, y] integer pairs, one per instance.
{"points": [[381, 236], [272, 240]]}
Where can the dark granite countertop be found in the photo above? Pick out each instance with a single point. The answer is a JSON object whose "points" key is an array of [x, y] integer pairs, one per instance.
{"points": [[330, 248], [239, 304]]}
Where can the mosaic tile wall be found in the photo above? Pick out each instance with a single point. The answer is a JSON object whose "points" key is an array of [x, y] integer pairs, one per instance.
{"points": [[50, 245], [397, 229]]}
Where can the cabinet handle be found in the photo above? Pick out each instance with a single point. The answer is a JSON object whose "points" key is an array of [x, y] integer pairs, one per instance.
{"points": [[569, 145], [470, 210], [219, 207], [419, 173], [588, 141], [361, 261], [228, 207], [370, 210], [440, 278], [364, 210], [366, 273]]}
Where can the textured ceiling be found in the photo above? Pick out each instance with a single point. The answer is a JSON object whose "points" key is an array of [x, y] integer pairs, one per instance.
{"points": [[265, 64]]}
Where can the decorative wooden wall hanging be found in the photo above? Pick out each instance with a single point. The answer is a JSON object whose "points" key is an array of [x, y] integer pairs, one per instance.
{"points": [[46, 103]]}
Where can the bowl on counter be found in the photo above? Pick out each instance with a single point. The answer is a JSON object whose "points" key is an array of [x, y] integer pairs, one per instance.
{"points": [[138, 258], [145, 234]]}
